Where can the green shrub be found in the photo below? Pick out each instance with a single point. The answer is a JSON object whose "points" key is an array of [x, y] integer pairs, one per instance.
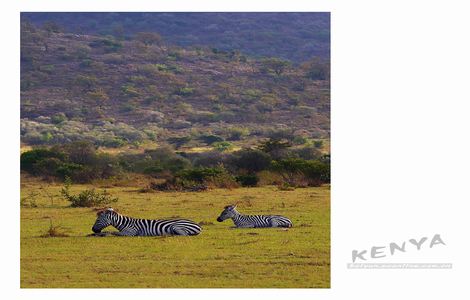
{"points": [[86, 82], [222, 146], [317, 69], [115, 142], [71, 170], [87, 198], [213, 177], [78, 161], [247, 180], [250, 160], [199, 179], [108, 45], [302, 172], [209, 139], [237, 133], [162, 67], [184, 91], [153, 170], [178, 141], [200, 174], [130, 90], [318, 144], [58, 118], [29, 159], [300, 140]]}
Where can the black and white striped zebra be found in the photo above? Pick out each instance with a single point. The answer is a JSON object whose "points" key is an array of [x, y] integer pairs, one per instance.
{"points": [[128, 226], [255, 221]]}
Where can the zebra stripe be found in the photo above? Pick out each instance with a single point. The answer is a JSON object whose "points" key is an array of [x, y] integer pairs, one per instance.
{"points": [[256, 221], [128, 226]]}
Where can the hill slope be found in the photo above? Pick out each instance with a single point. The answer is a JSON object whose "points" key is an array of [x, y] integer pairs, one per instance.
{"points": [[113, 92], [292, 36]]}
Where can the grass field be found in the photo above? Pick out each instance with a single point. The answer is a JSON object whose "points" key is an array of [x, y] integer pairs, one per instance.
{"points": [[219, 257]]}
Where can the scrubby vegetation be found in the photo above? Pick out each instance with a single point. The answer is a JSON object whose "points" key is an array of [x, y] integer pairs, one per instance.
{"points": [[175, 170], [296, 37], [117, 92], [86, 198]]}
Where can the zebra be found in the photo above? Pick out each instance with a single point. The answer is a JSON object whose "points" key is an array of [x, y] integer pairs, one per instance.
{"points": [[256, 221], [128, 226]]}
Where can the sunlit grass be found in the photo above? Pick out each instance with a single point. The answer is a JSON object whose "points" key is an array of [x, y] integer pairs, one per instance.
{"points": [[219, 257]]}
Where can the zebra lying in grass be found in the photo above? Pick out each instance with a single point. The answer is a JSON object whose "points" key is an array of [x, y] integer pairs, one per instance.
{"points": [[128, 226], [256, 221]]}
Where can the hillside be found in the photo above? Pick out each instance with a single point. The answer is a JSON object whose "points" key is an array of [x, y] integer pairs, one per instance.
{"points": [[115, 92], [294, 36]]}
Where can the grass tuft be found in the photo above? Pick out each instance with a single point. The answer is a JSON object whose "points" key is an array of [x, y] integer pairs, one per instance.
{"points": [[55, 231]]}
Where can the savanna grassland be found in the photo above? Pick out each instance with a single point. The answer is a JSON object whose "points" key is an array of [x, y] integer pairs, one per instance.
{"points": [[219, 257], [177, 116]]}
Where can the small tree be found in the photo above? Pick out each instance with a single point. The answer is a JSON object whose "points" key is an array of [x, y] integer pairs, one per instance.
{"points": [[149, 38], [317, 69], [274, 145], [274, 65], [251, 160], [51, 26]]}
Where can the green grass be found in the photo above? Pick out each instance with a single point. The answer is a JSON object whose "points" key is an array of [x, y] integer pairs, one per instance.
{"points": [[219, 257]]}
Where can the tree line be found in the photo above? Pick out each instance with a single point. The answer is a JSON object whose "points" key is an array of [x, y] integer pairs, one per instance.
{"points": [[272, 162]]}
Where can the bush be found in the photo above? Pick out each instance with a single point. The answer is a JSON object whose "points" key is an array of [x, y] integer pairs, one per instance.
{"points": [[317, 69], [274, 145], [208, 159], [78, 161], [86, 198], [299, 172], [200, 174], [307, 153], [222, 146], [198, 179], [80, 152], [29, 159], [179, 141], [58, 118], [209, 139], [269, 178], [87, 82], [153, 171], [250, 160], [163, 158], [247, 180], [237, 133], [318, 144], [130, 90], [108, 45], [184, 91]]}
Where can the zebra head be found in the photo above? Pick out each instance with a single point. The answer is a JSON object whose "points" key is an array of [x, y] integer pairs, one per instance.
{"points": [[228, 212], [103, 220]]}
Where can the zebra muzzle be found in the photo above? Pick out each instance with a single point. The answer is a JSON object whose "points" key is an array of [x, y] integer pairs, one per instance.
{"points": [[219, 219]]}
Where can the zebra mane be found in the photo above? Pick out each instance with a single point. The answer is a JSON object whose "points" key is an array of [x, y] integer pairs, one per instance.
{"points": [[230, 206], [103, 210]]}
